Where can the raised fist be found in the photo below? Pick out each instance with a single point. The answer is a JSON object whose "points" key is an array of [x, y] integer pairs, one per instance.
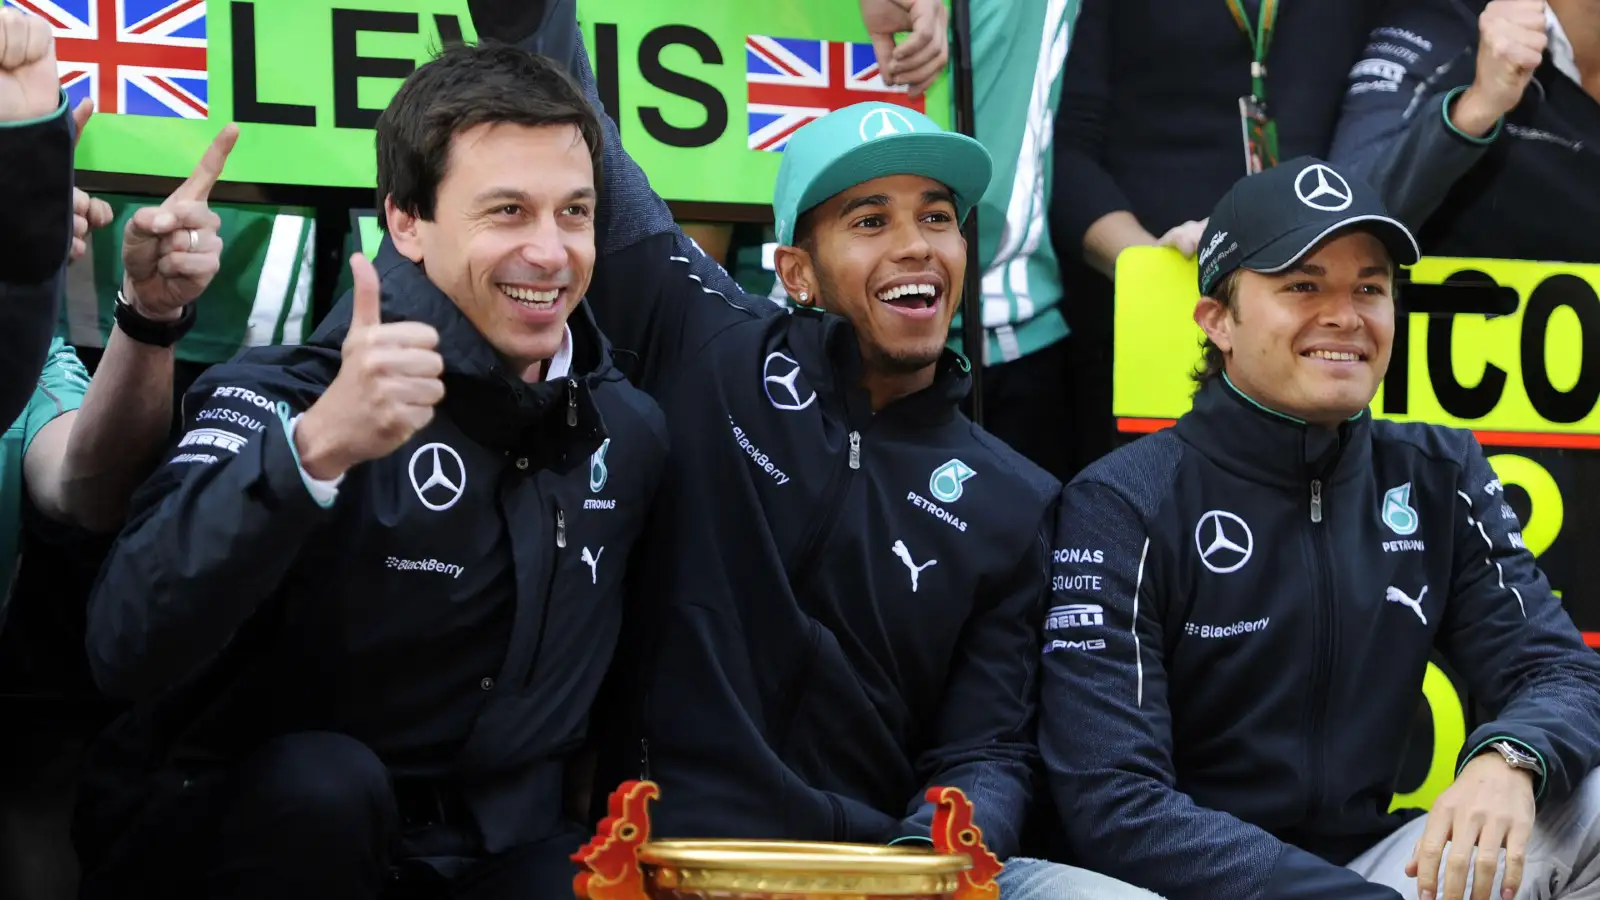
{"points": [[1511, 44], [30, 86]]}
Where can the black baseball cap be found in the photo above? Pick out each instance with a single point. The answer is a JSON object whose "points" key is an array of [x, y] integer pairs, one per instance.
{"points": [[1269, 221]]}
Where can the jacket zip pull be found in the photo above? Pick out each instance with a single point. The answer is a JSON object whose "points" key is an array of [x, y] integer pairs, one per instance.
{"points": [[644, 759], [855, 449], [572, 402], [1316, 501], [561, 528]]}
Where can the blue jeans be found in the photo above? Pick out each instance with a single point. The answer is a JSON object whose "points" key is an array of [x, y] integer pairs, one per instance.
{"points": [[1036, 879]]}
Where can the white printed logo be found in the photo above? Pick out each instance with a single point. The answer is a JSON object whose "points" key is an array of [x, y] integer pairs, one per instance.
{"points": [[1075, 615], [1328, 191], [782, 377], [446, 478], [213, 437], [905, 557], [1395, 595], [593, 562], [883, 122], [1224, 541]]}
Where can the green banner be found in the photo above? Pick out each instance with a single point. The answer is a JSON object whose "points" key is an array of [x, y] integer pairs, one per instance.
{"points": [[697, 84]]}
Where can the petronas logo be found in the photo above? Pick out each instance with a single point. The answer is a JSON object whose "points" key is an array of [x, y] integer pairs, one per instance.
{"points": [[1397, 511]]}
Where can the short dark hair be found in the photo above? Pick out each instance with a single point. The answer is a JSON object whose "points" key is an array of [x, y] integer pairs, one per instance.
{"points": [[1211, 359], [462, 87]]}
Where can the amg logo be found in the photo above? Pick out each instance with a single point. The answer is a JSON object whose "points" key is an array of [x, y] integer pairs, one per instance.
{"points": [[599, 504], [1095, 644], [1403, 546], [1075, 615], [1075, 555]]}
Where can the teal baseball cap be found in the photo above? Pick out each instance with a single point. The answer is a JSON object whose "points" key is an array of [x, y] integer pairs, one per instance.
{"points": [[873, 140]]}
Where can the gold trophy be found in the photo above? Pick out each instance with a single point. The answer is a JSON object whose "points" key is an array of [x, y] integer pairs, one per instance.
{"points": [[622, 863]]}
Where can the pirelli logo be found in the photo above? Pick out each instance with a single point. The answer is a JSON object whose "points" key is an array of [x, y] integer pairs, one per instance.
{"points": [[214, 437]]}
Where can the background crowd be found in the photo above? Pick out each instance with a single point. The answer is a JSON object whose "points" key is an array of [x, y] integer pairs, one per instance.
{"points": [[1112, 124]]}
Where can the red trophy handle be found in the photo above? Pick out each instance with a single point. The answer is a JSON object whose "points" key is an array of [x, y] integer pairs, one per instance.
{"points": [[611, 859], [954, 832]]}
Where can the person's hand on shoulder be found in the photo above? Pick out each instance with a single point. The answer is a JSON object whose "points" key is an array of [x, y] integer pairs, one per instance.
{"points": [[918, 60], [385, 392], [30, 86], [1511, 44]]}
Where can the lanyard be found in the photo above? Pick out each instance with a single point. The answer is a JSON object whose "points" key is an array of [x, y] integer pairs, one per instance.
{"points": [[1260, 38]]}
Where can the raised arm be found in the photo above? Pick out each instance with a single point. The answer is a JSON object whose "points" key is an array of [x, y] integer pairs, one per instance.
{"points": [[1423, 108], [1106, 734], [35, 202]]}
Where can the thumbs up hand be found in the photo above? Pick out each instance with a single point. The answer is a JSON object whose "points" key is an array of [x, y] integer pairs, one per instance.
{"points": [[387, 387], [171, 252]]}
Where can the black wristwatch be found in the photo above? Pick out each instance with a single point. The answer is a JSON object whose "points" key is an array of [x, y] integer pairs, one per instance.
{"points": [[149, 331]]}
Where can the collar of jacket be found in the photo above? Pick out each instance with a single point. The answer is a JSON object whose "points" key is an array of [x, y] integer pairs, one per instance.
{"points": [[825, 346], [556, 424], [1269, 447]]}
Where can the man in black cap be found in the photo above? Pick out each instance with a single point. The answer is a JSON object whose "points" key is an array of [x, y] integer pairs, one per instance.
{"points": [[1246, 603]]}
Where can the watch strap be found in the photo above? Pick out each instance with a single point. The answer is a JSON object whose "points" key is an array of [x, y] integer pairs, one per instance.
{"points": [[149, 331]]}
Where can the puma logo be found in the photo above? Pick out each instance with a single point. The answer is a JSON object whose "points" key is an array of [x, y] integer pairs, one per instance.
{"points": [[1395, 595], [905, 557], [592, 560]]}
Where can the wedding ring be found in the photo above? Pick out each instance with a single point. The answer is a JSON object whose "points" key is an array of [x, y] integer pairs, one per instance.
{"points": [[194, 240]]}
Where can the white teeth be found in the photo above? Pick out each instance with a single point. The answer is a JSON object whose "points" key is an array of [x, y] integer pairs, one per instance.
{"points": [[1333, 355], [531, 298], [907, 290]]}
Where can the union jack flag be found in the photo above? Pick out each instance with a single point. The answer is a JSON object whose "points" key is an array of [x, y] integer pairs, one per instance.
{"points": [[793, 81], [136, 57]]}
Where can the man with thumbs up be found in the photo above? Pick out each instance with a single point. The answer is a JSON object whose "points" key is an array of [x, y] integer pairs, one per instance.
{"points": [[366, 605]]}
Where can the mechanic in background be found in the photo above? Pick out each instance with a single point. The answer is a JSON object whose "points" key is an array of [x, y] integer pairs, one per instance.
{"points": [[1482, 131]]}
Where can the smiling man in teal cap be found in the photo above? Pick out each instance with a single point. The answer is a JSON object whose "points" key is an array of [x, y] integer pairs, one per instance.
{"points": [[839, 594]]}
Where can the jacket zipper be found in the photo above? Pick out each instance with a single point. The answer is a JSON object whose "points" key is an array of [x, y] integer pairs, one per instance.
{"points": [[549, 592], [1322, 660], [572, 402], [805, 564], [822, 525]]}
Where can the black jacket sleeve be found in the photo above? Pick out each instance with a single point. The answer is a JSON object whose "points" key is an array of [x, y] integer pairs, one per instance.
{"points": [[211, 536], [1084, 191], [983, 739], [36, 222], [1509, 636], [1394, 130], [1106, 733]]}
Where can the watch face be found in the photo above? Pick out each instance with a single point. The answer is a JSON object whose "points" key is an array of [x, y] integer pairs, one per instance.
{"points": [[1516, 754]]}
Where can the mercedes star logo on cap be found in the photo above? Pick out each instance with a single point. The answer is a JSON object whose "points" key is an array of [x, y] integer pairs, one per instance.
{"points": [[882, 122], [1320, 187]]}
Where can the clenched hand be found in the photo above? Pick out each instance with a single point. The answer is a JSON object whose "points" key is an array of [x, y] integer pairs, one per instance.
{"points": [[919, 59], [30, 86]]}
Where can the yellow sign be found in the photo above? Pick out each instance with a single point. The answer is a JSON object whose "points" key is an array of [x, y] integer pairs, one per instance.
{"points": [[1531, 378]]}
